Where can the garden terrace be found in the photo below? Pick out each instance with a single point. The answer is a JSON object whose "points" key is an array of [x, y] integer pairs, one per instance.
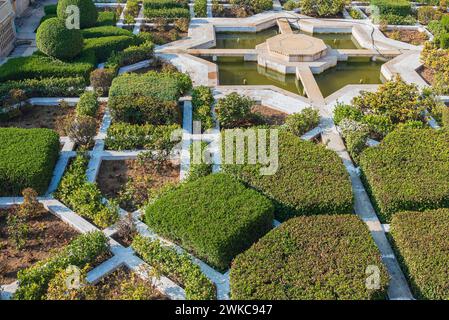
{"points": [[224, 217], [309, 258], [28, 159], [421, 243], [309, 180], [409, 170]]}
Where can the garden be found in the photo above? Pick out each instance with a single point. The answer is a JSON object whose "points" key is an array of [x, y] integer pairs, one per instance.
{"points": [[117, 168]]}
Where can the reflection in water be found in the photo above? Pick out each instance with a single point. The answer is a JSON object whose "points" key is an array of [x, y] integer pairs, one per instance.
{"points": [[243, 40], [335, 40]]}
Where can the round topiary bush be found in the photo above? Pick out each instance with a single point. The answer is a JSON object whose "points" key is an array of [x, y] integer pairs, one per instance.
{"points": [[55, 40], [88, 11]]}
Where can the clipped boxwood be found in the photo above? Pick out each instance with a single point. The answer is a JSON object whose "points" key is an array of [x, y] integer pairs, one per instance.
{"points": [[164, 86], [83, 250], [421, 243], [87, 11], [105, 31], [103, 47], [310, 258], [159, 4], [55, 40], [28, 157], [409, 170], [168, 13], [396, 7], [87, 105], [216, 217], [38, 66], [310, 179], [178, 267], [106, 18]]}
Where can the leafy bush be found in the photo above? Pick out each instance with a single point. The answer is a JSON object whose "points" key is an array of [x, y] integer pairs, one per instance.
{"points": [[161, 4], [105, 31], [409, 170], [420, 241], [444, 41], [47, 87], [106, 18], [310, 258], [250, 7], [322, 8], [178, 267], [437, 60], [202, 100], [131, 55], [88, 104], [198, 166], [168, 13], [164, 86], [310, 179], [87, 11], [38, 66], [200, 8], [105, 46], [232, 108], [427, 14], [84, 197], [124, 136], [85, 249], [345, 111], [394, 19], [27, 161], [101, 79], [291, 5], [82, 130], [300, 123], [145, 110], [355, 14], [397, 7], [445, 22], [55, 40], [216, 217]]}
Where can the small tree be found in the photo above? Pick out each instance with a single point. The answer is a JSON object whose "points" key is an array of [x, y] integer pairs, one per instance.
{"points": [[232, 109], [31, 207], [82, 131], [17, 229]]}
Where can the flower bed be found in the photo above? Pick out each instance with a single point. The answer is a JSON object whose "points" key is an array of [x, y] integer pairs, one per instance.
{"points": [[310, 179], [408, 171], [421, 244], [310, 258], [215, 217], [28, 158]]}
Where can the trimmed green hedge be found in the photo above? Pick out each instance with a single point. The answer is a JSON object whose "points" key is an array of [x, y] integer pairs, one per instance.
{"points": [[83, 250], [28, 157], [160, 4], [409, 170], [421, 243], [105, 31], [124, 136], [178, 267], [202, 100], [168, 13], [164, 86], [396, 7], [310, 258], [48, 87], [216, 217], [104, 47], [39, 66], [310, 179], [87, 9], [106, 18]]}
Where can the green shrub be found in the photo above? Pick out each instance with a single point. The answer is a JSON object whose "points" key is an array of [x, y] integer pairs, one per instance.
{"points": [[39, 66], [345, 111], [168, 13], [427, 14], [55, 40], [322, 8], [291, 5], [131, 55], [101, 79], [396, 7], [421, 242], [409, 170], [216, 217], [310, 258], [106, 18], [161, 4], [445, 22], [47, 87], [309, 180], [105, 46], [178, 267], [394, 19], [232, 109], [164, 86], [202, 100], [85, 249], [84, 197], [124, 136], [300, 123], [355, 14], [105, 31], [87, 11], [200, 8], [50, 9], [88, 104], [444, 41], [27, 161], [198, 167], [145, 110]]}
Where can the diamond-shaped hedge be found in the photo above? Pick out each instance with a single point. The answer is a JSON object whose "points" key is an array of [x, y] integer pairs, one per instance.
{"points": [[409, 170], [27, 159]]}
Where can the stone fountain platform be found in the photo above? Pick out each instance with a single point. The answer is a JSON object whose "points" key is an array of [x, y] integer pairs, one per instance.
{"points": [[296, 47]]}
